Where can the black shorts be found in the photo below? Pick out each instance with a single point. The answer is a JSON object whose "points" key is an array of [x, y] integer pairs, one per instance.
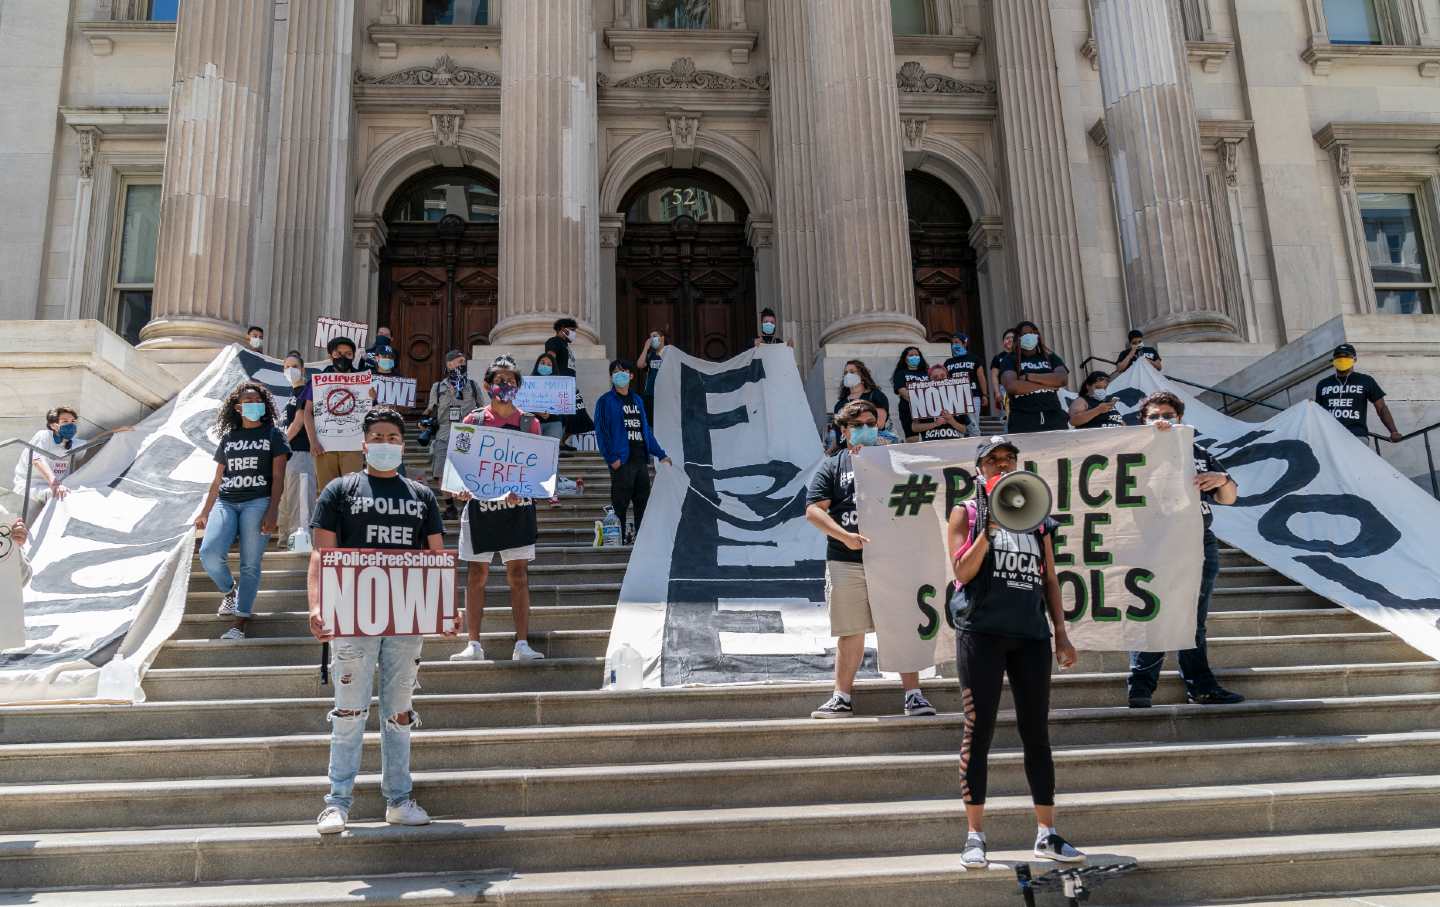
{"points": [[1045, 420]]}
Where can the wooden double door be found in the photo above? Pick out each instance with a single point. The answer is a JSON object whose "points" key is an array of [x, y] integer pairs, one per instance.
{"points": [[946, 286]]}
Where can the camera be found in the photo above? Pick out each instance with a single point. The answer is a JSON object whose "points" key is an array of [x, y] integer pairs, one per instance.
{"points": [[427, 431]]}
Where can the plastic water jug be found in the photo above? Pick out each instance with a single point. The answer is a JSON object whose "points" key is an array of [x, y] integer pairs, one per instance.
{"points": [[300, 540], [610, 524], [624, 669], [599, 534]]}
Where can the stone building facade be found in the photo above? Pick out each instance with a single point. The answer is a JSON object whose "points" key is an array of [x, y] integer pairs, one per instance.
{"points": [[1231, 176]]}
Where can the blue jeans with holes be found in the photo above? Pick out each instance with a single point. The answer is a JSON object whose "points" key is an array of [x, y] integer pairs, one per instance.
{"points": [[352, 669], [227, 521], [1194, 663]]}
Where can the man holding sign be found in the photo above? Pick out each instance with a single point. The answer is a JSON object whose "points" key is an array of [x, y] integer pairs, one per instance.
{"points": [[376, 508]]}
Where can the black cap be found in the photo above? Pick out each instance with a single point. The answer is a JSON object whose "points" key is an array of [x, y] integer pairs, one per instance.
{"points": [[1345, 349], [995, 443], [453, 354]]}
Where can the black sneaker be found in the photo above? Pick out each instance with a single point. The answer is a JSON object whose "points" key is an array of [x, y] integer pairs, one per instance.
{"points": [[1139, 702], [1217, 696], [834, 707], [1054, 847], [916, 706]]}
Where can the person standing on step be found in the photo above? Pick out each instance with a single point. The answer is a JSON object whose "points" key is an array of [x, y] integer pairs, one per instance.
{"points": [[244, 498], [299, 497], [622, 432], [770, 329], [451, 398], [1032, 376], [998, 400], [1346, 394], [558, 346], [946, 426], [376, 508], [1164, 410], [255, 337], [1014, 602], [651, 358], [507, 526], [965, 365], [1136, 351], [551, 425], [910, 368], [1094, 408], [332, 463], [856, 383], [830, 507]]}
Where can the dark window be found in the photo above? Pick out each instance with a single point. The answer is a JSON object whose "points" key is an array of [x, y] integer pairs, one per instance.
{"points": [[910, 17], [455, 12], [468, 194], [681, 196], [677, 13], [931, 201]]}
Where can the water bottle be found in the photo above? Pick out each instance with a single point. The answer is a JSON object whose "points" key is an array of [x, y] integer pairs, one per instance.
{"points": [[599, 534], [300, 541], [611, 527], [624, 669]]}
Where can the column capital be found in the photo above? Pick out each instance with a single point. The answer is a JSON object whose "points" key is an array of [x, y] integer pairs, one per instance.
{"points": [[612, 230], [760, 233], [987, 234]]}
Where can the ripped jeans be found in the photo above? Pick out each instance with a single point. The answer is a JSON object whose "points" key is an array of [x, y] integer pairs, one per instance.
{"points": [[352, 669]]}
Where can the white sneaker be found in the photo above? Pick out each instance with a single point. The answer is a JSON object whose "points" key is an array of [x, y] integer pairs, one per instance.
{"points": [[471, 652], [234, 633], [523, 652], [227, 604], [332, 820], [407, 813]]}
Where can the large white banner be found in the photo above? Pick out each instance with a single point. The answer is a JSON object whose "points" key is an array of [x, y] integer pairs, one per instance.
{"points": [[112, 560], [12, 600], [1128, 551], [1320, 507], [726, 583]]}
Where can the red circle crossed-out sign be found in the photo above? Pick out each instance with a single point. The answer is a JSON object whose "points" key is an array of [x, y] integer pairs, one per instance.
{"points": [[340, 401]]}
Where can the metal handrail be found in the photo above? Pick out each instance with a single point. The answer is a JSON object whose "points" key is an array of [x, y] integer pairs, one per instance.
{"points": [[1429, 451], [1225, 396], [69, 455]]}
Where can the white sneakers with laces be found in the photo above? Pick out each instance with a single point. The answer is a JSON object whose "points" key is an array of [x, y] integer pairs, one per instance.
{"points": [[332, 820], [407, 813], [471, 652], [233, 634], [523, 652]]}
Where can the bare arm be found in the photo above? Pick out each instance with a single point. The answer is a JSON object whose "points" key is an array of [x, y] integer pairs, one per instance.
{"points": [[819, 516], [1014, 384], [968, 564], [1382, 409], [210, 496], [1064, 651], [270, 523], [322, 538], [957, 529], [1083, 414], [980, 383]]}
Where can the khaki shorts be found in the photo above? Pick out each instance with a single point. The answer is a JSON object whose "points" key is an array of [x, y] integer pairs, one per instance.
{"points": [[848, 599]]}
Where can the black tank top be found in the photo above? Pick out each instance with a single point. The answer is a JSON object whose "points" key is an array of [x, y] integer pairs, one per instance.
{"points": [[1112, 419], [1009, 591]]}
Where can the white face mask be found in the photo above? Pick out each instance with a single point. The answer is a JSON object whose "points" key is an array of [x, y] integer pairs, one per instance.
{"points": [[294, 375], [384, 457], [851, 379], [1100, 393], [570, 336], [256, 342]]}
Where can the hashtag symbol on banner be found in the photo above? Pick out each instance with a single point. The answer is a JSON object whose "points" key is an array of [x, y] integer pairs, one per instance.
{"points": [[331, 558], [912, 494]]}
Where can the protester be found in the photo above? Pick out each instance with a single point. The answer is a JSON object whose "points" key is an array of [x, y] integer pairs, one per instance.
{"points": [[375, 508], [830, 507], [255, 337], [558, 346], [1013, 593], [551, 425], [946, 425], [964, 365], [622, 432], [46, 477], [651, 358], [856, 383], [1346, 393], [1136, 351], [384, 344], [770, 329], [451, 398], [383, 360], [1094, 408], [1164, 410], [507, 525], [329, 464], [999, 401], [244, 497], [1032, 376], [910, 368], [299, 495]]}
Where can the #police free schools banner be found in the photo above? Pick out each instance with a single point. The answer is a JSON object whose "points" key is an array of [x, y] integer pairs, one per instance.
{"points": [[1128, 550]]}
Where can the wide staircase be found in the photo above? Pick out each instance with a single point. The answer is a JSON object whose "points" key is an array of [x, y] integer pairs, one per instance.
{"points": [[547, 790]]}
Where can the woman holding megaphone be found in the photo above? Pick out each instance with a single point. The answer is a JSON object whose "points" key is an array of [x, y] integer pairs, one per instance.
{"points": [[1005, 607]]}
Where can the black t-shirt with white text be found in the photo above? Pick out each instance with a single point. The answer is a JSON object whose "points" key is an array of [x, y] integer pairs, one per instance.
{"points": [[834, 481], [964, 368], [1008, 594], [1146, 352], [1042, 401], [366, 511], [1346, 398], [906, 379], [1112, 419], [941, 433], [301, 442], [1206, 462], [634, 431], [248, 455]]}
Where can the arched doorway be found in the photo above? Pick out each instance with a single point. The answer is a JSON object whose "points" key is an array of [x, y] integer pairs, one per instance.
{"points": [[438, 276], [947, 297], [684, 266]]}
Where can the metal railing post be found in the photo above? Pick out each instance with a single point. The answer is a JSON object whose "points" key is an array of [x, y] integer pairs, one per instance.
{"points": [[1430, 465]]}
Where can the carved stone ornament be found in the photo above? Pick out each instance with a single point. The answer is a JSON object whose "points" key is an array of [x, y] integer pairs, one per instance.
{"points": [[683, 74], [1230, 161], [447, 127], [1341, 153], [912, 78], [89, 143], [445, 73], [915, 128], [683, 128]]}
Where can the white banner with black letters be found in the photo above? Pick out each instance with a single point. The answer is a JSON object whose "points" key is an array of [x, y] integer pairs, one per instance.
{"points": [[1128, 550]]}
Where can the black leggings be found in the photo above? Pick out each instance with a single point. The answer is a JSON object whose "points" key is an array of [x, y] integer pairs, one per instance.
{"points": [[631, 484], [984, 660]]}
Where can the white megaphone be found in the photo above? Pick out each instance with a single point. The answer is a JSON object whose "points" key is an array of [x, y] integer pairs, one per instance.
{"points": [[1019, 501]]}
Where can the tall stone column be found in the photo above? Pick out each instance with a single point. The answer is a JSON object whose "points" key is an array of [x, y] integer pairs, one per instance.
{"points": [[865, 231], [1041, 222], [313, 207], [549, 186], [1167, 236], [213, 148]]}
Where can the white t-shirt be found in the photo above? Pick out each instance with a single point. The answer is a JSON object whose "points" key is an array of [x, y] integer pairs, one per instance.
{"points": [[45, 440]]}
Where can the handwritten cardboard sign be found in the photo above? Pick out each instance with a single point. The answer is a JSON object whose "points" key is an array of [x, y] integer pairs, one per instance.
{"points": [[341, 401], [552, 394], [492, 463]]}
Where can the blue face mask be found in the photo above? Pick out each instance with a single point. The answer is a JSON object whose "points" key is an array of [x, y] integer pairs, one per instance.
{"points": [[386, 364], [1029, 342], [253, 411], [543, 369], [864, 435], [66, 432], [767, 327], [621, 380], [957, 349], [912, 361]]}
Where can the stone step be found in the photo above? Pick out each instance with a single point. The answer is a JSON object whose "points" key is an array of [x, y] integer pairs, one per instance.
{"points": [[304, 652], [736, 834], [45, 805], [1250, 575], [1242, 598], [585, 610]]}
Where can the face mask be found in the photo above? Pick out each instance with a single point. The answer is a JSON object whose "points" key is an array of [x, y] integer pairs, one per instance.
{"points": [[66, 431], [384, 457], [386, 364], [767, 327], [570, 336], [1344, 364], [342, 364], [253, 411], [543, 370], [457, 370], [957, 349], [851, 379], [912, 361], [864, 435], [256, 342], [1100, 393], [621, 380], [1029, 342], [504, 392], [294, 375], [654, 343]]}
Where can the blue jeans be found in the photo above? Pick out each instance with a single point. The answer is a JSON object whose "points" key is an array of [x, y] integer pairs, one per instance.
{"points": [[228, 520], [352, 667], [1194, 663]]}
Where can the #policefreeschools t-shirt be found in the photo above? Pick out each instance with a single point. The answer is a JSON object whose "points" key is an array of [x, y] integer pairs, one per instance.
{"points": [[248, 455], [1024, 366], [366, 511], [834, 481], [1346, 398]]}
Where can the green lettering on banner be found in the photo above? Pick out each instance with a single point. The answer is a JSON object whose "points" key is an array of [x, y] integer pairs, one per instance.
{"points": [[1062, 483], [1100, 611], [1058, 539], [1071, 578], [1090, 465], [1126, 480], [931, 626], [1151, 601], [1093, 539], [959, 486]]}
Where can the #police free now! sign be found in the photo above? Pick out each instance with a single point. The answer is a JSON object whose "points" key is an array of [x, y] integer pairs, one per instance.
{"points": [[376, 592]]}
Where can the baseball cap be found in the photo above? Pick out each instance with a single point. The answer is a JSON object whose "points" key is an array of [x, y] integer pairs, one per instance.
{"points": [[995, 443], [1345, 349]]}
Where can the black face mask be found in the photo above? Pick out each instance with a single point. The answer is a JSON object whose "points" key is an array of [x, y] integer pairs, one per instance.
{"points": [[457, 372], [342, 364]]}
